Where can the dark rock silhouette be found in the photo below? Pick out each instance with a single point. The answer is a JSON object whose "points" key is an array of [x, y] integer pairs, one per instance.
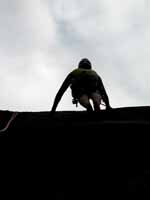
{"points": [[59, 196], [118, 118], [107, 151]]}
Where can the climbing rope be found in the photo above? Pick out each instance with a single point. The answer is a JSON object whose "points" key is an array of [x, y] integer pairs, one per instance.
{"points": [[14, 114]]}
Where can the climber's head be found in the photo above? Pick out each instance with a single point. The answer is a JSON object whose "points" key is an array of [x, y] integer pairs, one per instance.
{"points": [[85, 64]]}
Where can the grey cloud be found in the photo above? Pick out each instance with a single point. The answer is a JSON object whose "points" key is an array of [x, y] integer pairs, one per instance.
{"points": [[41, 41]]}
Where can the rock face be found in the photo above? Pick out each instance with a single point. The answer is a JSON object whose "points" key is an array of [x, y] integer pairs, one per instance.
{"points": [[131, 117], [96, 153]]}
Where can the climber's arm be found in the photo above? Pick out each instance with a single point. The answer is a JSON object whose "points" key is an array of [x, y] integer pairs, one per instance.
{"points": [[103, 93], [61, 91]]}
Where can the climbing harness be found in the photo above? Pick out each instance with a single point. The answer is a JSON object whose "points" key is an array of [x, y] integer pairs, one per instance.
{"points": [[75, 101]]}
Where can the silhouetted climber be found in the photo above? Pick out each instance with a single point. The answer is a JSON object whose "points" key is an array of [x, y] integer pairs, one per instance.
{"points": [[85, 84]]}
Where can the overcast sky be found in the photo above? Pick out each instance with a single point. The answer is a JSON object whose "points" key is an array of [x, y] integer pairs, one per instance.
{"points": [[41, 41]]}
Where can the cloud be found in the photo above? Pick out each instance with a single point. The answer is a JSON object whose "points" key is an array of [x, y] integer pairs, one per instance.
{"points": [[42, 41]]}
